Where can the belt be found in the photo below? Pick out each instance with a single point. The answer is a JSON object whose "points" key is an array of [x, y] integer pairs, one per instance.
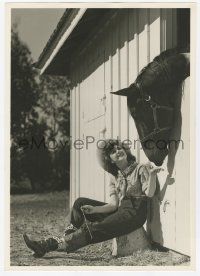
{"points": [[136, 197]]}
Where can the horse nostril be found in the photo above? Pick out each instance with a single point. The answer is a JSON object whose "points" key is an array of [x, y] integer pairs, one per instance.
{"points": [[158, 163], [157, 156]]}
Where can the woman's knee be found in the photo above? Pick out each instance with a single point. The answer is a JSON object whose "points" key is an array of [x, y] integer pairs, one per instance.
{"points": [[79, 202]]}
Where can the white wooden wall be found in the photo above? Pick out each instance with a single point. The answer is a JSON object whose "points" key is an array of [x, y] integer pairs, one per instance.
{"points": [[112, 60]]}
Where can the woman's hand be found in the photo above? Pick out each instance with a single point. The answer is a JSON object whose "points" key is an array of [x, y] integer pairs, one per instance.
{"points": [[149, 178], [88, 209], [154, 169]]}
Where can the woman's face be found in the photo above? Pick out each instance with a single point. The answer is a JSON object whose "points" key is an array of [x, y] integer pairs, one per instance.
{"points": [[118, 154]]}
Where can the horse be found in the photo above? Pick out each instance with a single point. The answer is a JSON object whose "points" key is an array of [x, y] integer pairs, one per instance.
{"points": [[154, 101]]}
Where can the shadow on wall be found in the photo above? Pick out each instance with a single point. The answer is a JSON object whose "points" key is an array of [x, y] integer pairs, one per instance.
{"points": [[106, 38]]}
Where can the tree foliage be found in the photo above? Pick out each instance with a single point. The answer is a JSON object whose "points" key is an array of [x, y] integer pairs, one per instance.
{"points": [[54, 108], [24, 88], [54, 105], [39, 110]]}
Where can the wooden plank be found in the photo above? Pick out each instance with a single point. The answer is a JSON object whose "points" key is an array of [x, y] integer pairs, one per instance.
{"points": [[78, 136], [92, 105], [82, 102], [168, 219], [90, 85], [143, 30], [182, 177], [133, 68], [154, 27], [143, 39], [169, 29], [163, 212], [100, 81], [154, 50], [108, 83], [85, 96], [82, 134], [78, 125], [73, 155], [174, 29], [115, 74], [92, 160], [162, 30], [144, 58], [81, 128], [109, 98], [133, 45], [123, 71], [163, 215], [99, 123], [99, 172]]}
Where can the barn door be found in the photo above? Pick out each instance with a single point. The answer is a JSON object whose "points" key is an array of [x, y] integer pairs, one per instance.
{"points": [[182, 176], [170, 220], [162, 222], [93, 124]]}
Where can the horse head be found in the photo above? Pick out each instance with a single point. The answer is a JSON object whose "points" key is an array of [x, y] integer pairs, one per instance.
{"points": [[151, 101]]}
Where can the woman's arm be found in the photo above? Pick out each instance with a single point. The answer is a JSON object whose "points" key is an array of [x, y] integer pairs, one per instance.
{"points": [[148, 179], [107, 208], [111, 206], [151, 185]]}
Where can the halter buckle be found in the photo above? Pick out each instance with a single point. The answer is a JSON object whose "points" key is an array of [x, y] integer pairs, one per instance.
{"points": [[148, 98]]}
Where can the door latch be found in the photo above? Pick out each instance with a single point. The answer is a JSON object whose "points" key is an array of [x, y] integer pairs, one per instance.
{"points": [[165, 205]]}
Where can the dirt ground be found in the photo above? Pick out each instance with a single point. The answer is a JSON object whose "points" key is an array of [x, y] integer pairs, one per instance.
{"points": [[43, 215]]}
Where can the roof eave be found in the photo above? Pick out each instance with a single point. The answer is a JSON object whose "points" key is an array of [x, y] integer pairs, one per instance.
{"points": [[53, 48]]}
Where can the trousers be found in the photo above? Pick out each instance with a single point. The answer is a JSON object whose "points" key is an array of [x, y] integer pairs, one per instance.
{"points": [[129, 216], [94, 228]]}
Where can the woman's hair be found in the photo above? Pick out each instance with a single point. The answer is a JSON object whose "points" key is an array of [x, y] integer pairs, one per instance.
{"points": [[103, 153]]}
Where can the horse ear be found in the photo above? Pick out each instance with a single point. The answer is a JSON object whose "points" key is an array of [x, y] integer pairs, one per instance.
{"points": [[124, 92]]}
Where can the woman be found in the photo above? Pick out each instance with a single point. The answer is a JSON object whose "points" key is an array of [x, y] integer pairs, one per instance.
{"points": [[94, 221]]}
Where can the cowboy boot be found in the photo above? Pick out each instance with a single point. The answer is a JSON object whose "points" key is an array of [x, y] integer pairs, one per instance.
{"points": [[69, 243], [74, 241], [40, 248]]}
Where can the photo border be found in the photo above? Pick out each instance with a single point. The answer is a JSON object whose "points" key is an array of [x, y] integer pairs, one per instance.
{"points": [[193, 40]]}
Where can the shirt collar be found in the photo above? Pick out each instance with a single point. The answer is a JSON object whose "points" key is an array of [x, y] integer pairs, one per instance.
{"points": [[131, 167]]}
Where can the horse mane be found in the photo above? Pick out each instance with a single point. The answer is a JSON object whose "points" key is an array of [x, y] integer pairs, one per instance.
{"points": [[168, 68]]}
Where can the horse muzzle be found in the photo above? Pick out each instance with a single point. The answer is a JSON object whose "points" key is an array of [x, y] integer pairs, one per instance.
{"points": [[156, 147], [156, 156]]}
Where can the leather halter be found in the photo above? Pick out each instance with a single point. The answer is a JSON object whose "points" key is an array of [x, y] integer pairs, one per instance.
{"points": [[154, 106]]}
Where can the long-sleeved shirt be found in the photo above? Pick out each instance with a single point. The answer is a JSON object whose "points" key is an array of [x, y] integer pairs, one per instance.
{"points": [[132, 182]]}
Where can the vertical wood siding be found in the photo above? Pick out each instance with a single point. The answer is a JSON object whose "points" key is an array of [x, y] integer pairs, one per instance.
{"points": [[182, 177], [133, 69], [163, 215], [73, 154], [112, 60], [123, 58]]}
